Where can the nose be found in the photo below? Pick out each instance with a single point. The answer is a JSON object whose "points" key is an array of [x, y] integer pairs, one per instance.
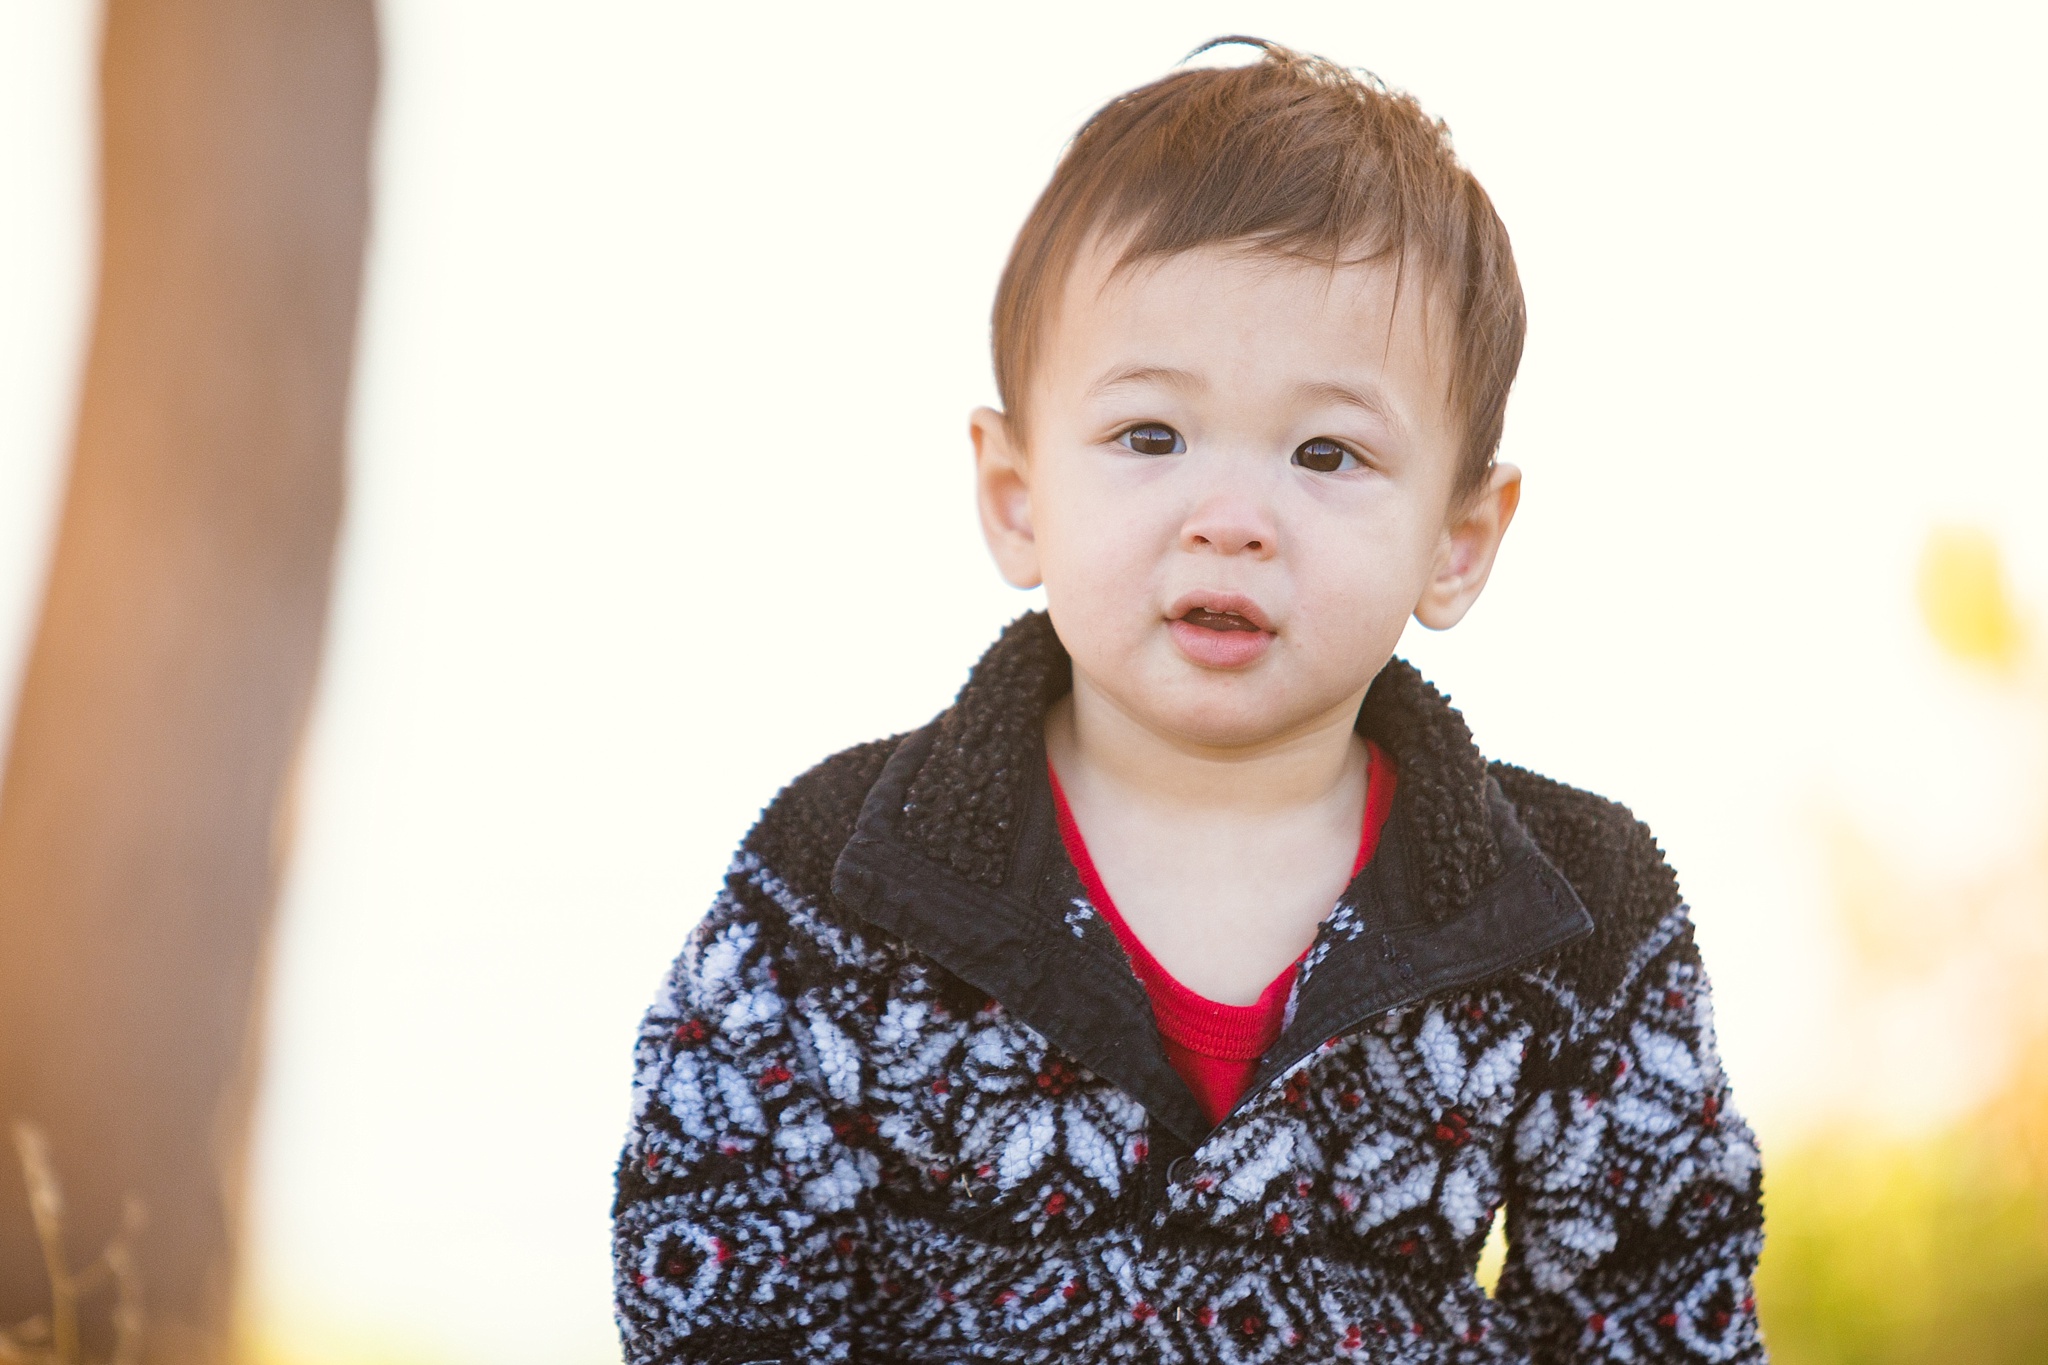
{"points": [[1230, 522]]}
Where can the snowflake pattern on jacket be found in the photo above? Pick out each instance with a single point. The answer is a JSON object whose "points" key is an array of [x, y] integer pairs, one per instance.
{"points": [[901, 1099]]}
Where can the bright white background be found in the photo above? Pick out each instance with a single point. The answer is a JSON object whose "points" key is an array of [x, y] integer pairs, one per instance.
{"points": [[660, 493]]}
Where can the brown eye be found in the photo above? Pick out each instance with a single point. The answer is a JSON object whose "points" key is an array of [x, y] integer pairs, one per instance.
{"points": [[1153, 438], [1323, 455]]}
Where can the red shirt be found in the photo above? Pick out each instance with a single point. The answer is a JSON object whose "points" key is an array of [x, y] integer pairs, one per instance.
{"points": [[1216, 1047]]}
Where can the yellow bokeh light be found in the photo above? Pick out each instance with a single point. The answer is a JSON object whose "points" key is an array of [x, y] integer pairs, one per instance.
{"points": [[1963, 597]]}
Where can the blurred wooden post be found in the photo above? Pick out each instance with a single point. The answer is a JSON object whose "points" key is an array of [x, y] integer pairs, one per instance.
{"points": [[142, 817]]}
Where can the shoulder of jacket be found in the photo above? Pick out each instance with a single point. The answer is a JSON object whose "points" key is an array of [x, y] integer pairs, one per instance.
{"points": [[803, 830], [1611, 860]]}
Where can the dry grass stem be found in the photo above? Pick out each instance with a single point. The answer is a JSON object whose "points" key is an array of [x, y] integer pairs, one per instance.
{"points": [[54, 1338]]}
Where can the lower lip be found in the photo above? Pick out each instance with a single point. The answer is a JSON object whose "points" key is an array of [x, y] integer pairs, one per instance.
{"points": [[1219, 648]]}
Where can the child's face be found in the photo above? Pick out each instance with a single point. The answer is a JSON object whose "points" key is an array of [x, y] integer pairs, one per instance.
{"points": [[1238, 486]]}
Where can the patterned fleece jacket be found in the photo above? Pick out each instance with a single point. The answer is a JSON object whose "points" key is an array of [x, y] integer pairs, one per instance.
{"points": [[902, 1100]]}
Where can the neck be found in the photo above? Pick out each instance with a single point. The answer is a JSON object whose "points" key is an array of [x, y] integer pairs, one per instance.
{"points": [[1094, 741]]}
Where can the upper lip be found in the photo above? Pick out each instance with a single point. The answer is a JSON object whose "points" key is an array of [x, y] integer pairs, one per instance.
{"points": [[1235, 603]]}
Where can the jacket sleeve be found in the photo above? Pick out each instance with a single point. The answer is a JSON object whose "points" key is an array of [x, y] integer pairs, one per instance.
{"points": [[1634, 1207], [739, 1214]]}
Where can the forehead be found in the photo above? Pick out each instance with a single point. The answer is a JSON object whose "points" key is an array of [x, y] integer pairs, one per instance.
{"points": [[1244, 318]]}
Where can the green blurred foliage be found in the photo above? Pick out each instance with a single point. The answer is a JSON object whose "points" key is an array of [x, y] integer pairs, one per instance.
{"points": [[1905, 1254]]}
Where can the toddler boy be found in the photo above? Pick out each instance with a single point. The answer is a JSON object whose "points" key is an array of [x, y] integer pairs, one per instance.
{"points": [[1191, 989]]}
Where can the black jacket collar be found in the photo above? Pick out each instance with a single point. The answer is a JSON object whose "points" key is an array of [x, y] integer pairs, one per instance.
{"points": [[956, 853]]}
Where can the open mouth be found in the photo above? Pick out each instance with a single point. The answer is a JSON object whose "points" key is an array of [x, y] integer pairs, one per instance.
{"points": [[1223, 630], [1209, 609], [1216, 620]]}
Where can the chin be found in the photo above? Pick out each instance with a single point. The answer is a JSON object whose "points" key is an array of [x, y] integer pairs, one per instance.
{"points": [[1224, 711]]}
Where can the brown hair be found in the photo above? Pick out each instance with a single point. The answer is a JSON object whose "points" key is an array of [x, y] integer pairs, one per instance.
{"points": [[1293, 155]]}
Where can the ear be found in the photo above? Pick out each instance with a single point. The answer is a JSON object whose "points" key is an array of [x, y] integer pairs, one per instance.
{"points": [[1465, 552], [1003, 490]]}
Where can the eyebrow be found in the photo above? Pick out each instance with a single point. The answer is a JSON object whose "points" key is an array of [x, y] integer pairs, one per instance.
{"points": [[1368, 400], [1186, 380]]}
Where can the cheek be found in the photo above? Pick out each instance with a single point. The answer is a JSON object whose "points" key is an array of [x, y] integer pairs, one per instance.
{"points": [[1364, 581], [1097, 544]]}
